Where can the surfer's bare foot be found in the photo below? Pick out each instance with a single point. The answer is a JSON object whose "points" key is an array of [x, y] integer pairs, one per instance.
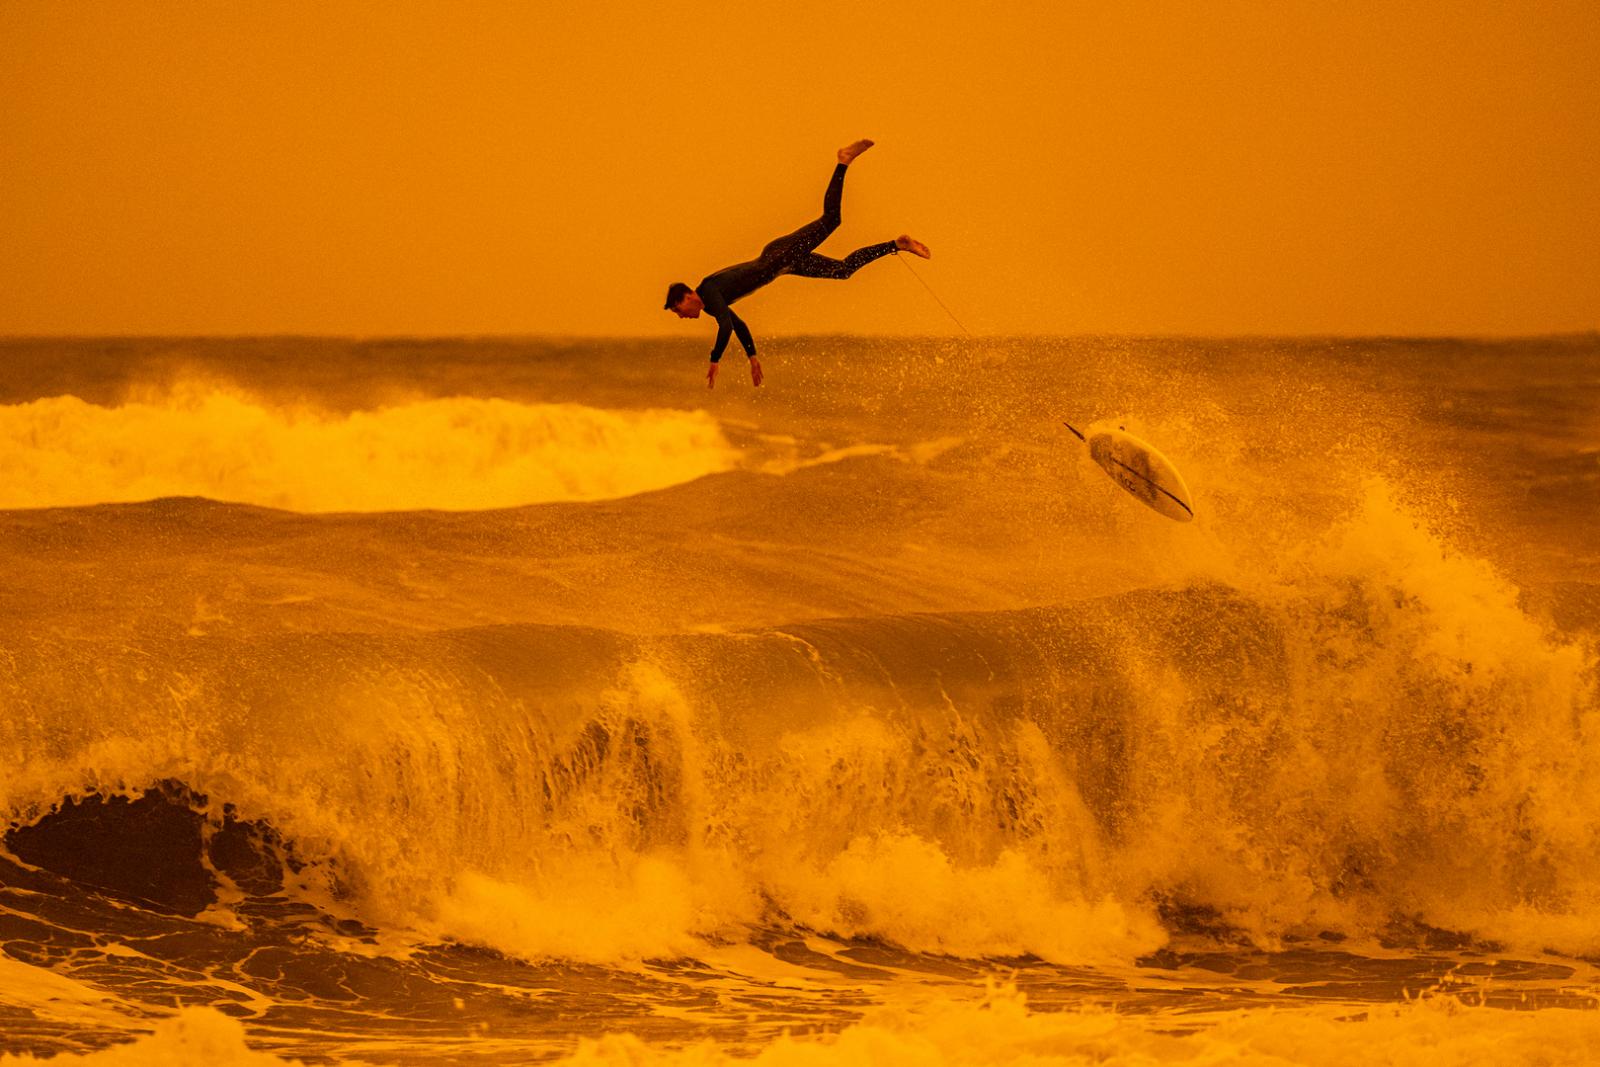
{"points": [[912, 245], [854, 149]]}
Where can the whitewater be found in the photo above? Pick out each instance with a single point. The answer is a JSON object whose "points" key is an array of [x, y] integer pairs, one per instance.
{"points": [[505, 701]]}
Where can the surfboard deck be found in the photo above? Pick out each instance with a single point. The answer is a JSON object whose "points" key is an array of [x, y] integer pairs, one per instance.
{"points": [[1142, 471]]}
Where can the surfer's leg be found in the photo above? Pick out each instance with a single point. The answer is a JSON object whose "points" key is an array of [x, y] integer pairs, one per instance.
{"points": [[818, 266], [833, 198], [789, 249]]}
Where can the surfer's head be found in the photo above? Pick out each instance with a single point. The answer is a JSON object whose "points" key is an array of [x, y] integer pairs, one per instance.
{"points": [[684, 301]]}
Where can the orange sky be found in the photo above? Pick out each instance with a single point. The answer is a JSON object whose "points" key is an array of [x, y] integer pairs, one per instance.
{"points": [[471, 168]]}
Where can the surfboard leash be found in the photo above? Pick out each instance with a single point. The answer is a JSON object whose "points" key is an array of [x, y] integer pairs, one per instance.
{"points": [[915, 274], [935, 295]]}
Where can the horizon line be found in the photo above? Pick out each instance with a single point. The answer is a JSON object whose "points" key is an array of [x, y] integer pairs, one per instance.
{"points": [[1576, 334]]}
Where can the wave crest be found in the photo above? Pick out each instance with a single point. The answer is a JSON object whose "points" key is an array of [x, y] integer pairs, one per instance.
{"points": [[458, 453]]}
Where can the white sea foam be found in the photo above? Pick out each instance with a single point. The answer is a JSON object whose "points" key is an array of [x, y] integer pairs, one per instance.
{"points": [[1000, 1031], [456, 453], [194, 1037]]}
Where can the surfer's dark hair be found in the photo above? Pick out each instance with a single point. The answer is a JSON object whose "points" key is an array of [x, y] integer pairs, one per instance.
{"points": [[676, 292]]}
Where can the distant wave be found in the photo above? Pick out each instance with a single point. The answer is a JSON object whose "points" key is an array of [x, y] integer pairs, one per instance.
{"points": [[451, 454]]}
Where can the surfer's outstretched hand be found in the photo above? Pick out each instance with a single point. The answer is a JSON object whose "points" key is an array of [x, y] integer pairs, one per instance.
{"points": [[711, 377], [755, 372]]}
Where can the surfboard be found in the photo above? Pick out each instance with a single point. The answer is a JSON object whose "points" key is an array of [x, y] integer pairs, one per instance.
{"points": [[1141, 470]]}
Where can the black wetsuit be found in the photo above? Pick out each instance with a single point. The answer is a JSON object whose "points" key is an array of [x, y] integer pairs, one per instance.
{"points": [[787, 255]]}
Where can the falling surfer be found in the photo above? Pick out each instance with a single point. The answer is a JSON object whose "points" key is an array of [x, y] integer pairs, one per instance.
{"points": [[794, 254]]}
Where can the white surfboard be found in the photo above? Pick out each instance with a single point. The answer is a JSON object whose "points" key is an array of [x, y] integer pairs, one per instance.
{"points": [[1141, 470]]}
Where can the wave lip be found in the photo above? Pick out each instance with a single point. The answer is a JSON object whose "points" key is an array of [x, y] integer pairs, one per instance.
{"points": [[452, 454]]}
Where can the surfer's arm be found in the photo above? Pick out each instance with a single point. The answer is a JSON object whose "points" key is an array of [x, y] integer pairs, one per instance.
{"points": [[724, 328], [735, 324], [743, 331], [727, 324]]}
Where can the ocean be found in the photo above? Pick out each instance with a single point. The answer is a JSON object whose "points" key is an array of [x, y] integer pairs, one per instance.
{"points": [[498, 701]]}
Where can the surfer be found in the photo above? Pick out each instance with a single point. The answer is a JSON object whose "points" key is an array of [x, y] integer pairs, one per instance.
{"points": [[793, 254]]}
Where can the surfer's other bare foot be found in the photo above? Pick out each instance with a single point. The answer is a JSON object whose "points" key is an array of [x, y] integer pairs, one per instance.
{"points": [[912, 245], [854, 149]]}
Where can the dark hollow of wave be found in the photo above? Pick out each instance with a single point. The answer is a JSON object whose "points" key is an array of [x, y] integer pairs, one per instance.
{"points": [[160, 850]]}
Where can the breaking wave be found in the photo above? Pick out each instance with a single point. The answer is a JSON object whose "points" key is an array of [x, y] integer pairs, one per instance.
{"points": [[458, 453], [1376, 732]]}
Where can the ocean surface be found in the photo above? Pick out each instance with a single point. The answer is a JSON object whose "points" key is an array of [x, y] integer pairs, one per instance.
{"points": [[497, 702]]}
